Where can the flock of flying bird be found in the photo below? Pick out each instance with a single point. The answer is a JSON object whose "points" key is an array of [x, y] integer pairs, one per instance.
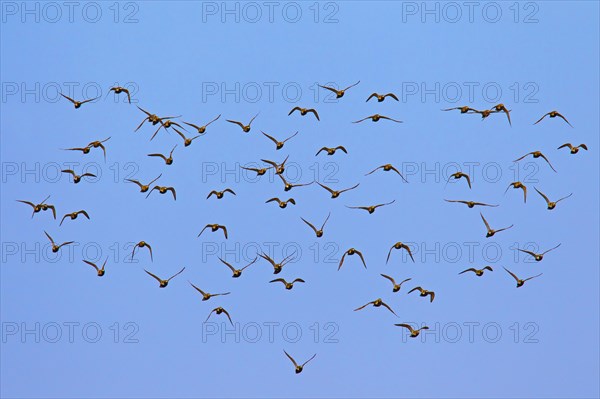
{"points": [[168, 123]]}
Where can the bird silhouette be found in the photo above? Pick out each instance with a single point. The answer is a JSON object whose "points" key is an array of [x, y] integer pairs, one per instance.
{"points": [[553, 114], [331, 150], [278, 144], [413, 333], [400, 245], [304, 111], [143, 187], [396, 287], [237, 272], [42, 206], [142, 244], [298, 367], [288, 285], [277, 267], [205, 295], [213, 228], [540, 256], [219, 310], [245, 128], [381, 97], [551, 204], [163, 283], [490, 231], [377, 118], [78, 104], [339, 93], [319, 232], [478, 272], [371, 208], [99, 271], [351, 252], [56, 247], [377, 303], [574, 150], [73, 216], [517, 185], [423, 293], [335, 193], [470, 204], [164, 190], [386, 168], [518, 280], [202, 129], [536, 154]]}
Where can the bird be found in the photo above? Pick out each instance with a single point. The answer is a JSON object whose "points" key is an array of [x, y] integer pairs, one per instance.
{"points": [[339, 93], [478, 272], [76, 177], [351, 252], [259, 171], [78, 104], [220, 194], [377, 303], [290, 285], [167, 123], [201, 129], [490, 231], [213, 228], [163, 283], [74, 215], [84, 150], [551, 204], [278, 144], [237, 272], [168, 160], [400, 245], [331, 151], [99, 271], [319, 232], [518, 184], [484, 114], [518, 280], [42, 206], [371, 208], [219, 310], [501, 108], [56, 247], [538, 257], [574, 150], [279, 168], [381, 97], [153, 118], [299, 368], [282, 204], [142, 244], [470, 204], [98, 143], [304, 111], [553, 114], [119, 90], [277, 267], [424, 293], [396, 287], [413, 333], [377, 117], [463, 110], [245, 128], [163, 190], [536, 154], [386, 168], [335, 193], [458, 175], [187, 141], [205, 295], [288, 186], [143, 187]]}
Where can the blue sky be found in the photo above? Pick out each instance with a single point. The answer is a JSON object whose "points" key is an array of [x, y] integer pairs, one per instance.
{"points": [[68, 333]]}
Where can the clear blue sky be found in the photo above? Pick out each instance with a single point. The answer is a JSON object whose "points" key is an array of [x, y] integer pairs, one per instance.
{"points": [[200, 60]]}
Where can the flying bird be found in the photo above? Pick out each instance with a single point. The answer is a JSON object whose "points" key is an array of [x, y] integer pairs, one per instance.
{"points": [[143, 187], [56, 247], [335, 193], [205, 295], [237, 272], [259, 171], [351, 252], [386, 168], [282, 204], [518, 280], [76, 177], [574, 150], [502, 108], [213, 228], [187, 141], [202, 129], [396, 287], [288, 186], [277, 267], [470, 204], [377, 303], [220, 194], [219, 310], [119, 90], [536, 154], [98, 144], [458, 175], [424, 293], [478, 272], [245, 128], [490, 231], [290, 285], [553, 114], [400, 245], [99, 271], [42, 206], [538, 257], [163, 283], [278, 144], [74, 215], [142, 244], [319, 232], [484, 114], [551, 204], [168, 160], [413, 333], [517, 185], [463, 109], [381, 97], [304, 111], [376, 118], [163, 190], [167, 123], [299, 368], [371, 208], [332, 150], [339, 93], [78, 104], [153, 118], [279, 168]]}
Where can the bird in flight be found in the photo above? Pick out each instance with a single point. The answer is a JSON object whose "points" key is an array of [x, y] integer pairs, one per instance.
{"points": [[74, 215], [516, 185], [371, 208], [153, 118], [278, 144], [376, 118], [502, 108], [237, 272], [490, 231], [78, 104], [304, 111], [98, 143], [56, 247], [167, 123], [245, 128], [143, 187], [335, 193], [400, 245], [205, 295], [386, 168], [42, 206], [538, 257], [381, 97], [319, 232], [351, 252], [277, 267], [458, 175], [339, 93], [396, 287], [470, 204], [553, 114], [76, 177], [202, 129], [168, 160], [279, 168], [478, 272], [518, 280], [536, 154], [551, 204], [259, 171], [298, 367], [99, 271], [413, 333], [288, 186], [219, 310], [187, 141], [463, 110], [290, 285], [484, 114], [282, 204], [119, 90], [332, 150], [220, 194], [377, 303], [142, 244], [163, 283], [574, 150], [213, 228], [163, 190], [424, 293]]}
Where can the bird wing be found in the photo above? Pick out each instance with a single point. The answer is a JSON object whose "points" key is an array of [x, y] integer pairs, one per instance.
{"points": [[176, 274]]}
